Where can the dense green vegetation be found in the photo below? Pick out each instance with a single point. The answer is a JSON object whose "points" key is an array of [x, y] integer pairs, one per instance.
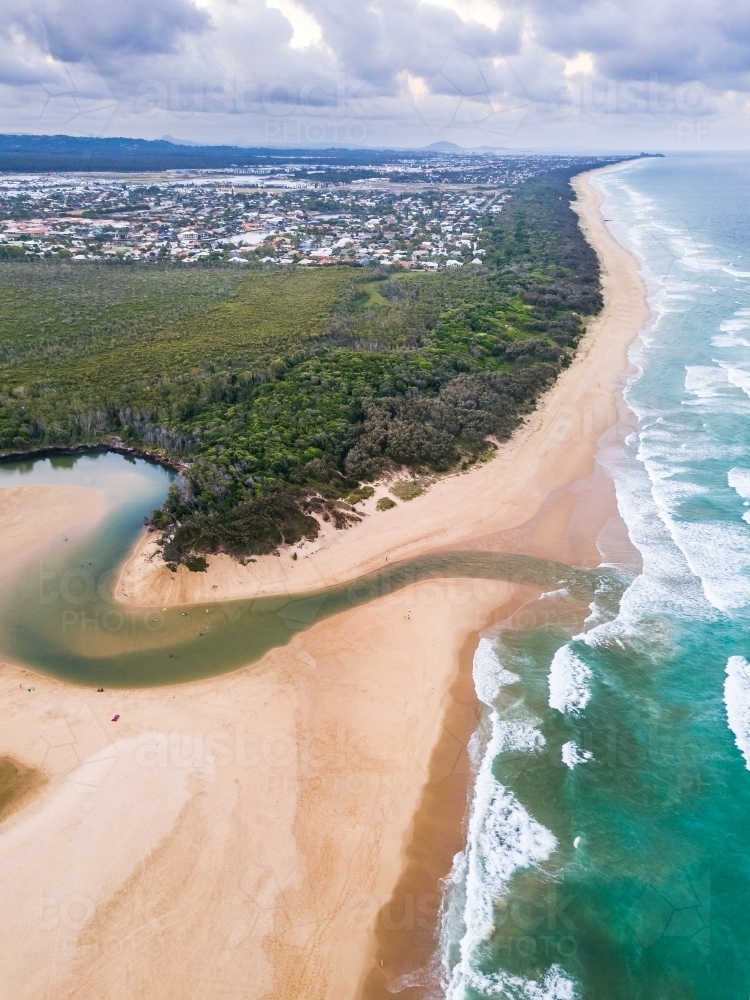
{"points": [[285, 390]]}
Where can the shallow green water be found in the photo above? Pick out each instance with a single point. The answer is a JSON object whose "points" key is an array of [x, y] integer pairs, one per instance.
{"points": [[58, 616]]}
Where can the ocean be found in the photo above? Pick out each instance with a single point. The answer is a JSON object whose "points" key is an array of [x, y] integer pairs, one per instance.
{"points": [[608, 845]]}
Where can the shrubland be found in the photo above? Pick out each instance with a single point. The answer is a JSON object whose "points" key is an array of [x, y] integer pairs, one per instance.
{"points": [[282, 392]]}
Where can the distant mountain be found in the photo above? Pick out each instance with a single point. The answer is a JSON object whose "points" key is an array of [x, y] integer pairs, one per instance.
{"points": [[44, 153], [180, 142], [444, 147]]}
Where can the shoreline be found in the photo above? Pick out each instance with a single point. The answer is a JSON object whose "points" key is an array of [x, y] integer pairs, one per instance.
{"points": [[555, 447], [279, 807], [116, 446], [567, 526], [406, 928]]}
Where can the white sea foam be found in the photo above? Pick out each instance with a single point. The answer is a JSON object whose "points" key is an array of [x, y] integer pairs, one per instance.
{"points": [[739, 377], [572, 754], [489, 673], [730, 329], [665, 585], [561, 592], [723, 580], [739, 480], [502, 838], [729, 340], [737, 701], [739, 322], [669, 490], [569, 678], [520, 735], [684, 447], [555, 985], [705, 381], [718, 553], [596, 616]]}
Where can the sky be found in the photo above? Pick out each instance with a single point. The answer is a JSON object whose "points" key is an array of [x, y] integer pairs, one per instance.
{"points": [[568, 75]]}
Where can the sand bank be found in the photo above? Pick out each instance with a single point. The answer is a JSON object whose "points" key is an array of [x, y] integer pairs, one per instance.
{"points": [[244, 836], [553, 449], [235, 837], [33, 516]]}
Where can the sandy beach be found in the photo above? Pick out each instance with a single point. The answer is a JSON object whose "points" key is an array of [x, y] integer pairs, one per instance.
{"points": [[270, 833]]}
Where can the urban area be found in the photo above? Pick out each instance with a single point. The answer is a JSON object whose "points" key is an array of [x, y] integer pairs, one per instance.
{"points": [[423, 214]]}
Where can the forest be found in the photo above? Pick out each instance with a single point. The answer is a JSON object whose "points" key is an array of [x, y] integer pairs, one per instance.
{"points": [[281, 392]]}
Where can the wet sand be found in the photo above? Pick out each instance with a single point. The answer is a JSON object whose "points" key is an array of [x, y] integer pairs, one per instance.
{"points": [[17, 784], [33, 516]]}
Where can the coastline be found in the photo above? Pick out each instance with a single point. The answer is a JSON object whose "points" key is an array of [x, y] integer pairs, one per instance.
{"points": [[568, 525], [554, 448], [284, 803]]}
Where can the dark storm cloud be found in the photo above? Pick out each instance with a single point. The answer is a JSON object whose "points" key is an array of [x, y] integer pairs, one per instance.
{"points": [[389, 62], [378, 42], [677, 40], [102, 30]]}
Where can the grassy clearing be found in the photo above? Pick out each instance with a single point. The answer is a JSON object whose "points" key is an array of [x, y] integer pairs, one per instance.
{"points": [[407, 489], [385, 503]]}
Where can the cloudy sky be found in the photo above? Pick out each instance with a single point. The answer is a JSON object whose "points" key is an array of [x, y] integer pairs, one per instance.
{"points": [[545, 74]]}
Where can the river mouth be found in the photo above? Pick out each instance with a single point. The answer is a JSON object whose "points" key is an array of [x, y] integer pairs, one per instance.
{"points": [[58, 614]]}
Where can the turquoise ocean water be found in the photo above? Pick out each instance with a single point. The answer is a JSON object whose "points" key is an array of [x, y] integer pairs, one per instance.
{"points": [[608, 849]]}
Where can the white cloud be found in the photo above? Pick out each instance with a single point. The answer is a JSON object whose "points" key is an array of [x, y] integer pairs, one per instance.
{"points": [[532, 70], [583, 64], [485, 12], [305, 29]]}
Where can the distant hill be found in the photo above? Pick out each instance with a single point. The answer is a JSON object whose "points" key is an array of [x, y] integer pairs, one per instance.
{"points": [[42, 153], [180, 142], [444, 147]]}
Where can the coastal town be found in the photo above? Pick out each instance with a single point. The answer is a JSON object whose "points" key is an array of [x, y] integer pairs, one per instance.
{"points": [[421, 214]]}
